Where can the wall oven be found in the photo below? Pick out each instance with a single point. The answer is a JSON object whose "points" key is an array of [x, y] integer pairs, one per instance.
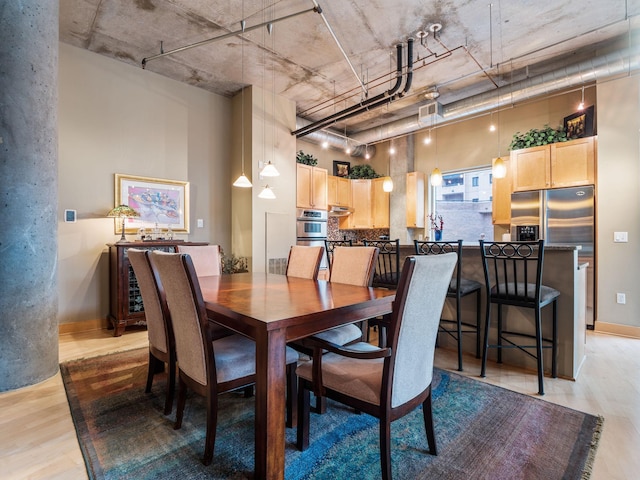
{"points": [[311, 230]]}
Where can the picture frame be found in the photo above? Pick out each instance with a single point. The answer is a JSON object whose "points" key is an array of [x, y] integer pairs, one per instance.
{"points": [[341, 169], [160, 202], [579, 124]]}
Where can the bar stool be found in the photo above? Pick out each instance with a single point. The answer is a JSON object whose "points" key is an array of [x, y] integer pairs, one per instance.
{"points": [[513, 276], [459, 287]]}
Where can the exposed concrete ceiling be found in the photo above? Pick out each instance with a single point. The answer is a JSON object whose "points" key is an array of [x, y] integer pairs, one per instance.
{"points": [[325, 61]]}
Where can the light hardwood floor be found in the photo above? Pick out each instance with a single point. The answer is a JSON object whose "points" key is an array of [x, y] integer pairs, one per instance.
{"points": [[38, 441]]}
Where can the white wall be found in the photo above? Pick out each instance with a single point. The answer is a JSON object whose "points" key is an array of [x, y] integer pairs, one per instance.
{"points": [[115, 118]]}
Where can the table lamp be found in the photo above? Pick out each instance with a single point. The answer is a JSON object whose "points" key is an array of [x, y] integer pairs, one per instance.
{"points": [[123, 212]]}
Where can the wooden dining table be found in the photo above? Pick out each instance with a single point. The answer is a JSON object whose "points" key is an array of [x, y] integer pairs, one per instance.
{"points": [[273, 310]]}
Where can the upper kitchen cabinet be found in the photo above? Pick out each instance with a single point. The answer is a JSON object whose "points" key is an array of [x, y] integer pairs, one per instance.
{"points": [[311, 189], [380, 204], [361, 203], [338, 191], [415, 199], [557, 165], [501, 197]]}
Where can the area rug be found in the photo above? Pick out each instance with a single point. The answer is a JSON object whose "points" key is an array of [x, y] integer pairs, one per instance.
{"points": [[483, 432]]}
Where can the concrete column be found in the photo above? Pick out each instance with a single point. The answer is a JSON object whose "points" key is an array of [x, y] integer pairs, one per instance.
{"points": [[28, 192]]}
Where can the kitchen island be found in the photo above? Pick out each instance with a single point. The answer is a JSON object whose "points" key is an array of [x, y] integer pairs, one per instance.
{"points": [[561, 271]]}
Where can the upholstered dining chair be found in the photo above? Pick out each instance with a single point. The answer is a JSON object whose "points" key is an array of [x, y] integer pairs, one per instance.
{"points": [[208, 367], [353, 266], [513, 276], [304, 261], [206, 259], [162, 348], [459, 288], [389, 382]]}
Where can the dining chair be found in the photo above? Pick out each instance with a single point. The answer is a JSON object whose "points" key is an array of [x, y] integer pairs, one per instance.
{"points": [[329, 245], [513, 276], [459, 288], [208, 367], [390, 382], [162, 348], [304, 261], [206, 259], [387, 270]]}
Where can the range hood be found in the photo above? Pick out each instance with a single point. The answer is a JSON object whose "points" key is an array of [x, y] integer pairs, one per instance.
{"points": [[338, 211]]}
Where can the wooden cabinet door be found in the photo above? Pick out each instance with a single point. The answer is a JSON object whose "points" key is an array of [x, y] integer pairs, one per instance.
{"points": [[332, 190], [303, 185], [319, 188], [573, 163], [380, 204], [501, 196], [415, 199], [344, 191], [531, 168], [361, 203]]}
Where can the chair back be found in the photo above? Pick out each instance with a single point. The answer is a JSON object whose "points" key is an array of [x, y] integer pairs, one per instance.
{"points": [[438, 248], [179, 284], [206, 259], [353, 265], [155, 308], [387, 271], [329, 245], [304, 262], [414, 325], [513, 271]]}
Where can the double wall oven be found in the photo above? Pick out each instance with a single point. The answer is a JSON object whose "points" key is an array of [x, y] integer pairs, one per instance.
{"points": [[311, 229]]}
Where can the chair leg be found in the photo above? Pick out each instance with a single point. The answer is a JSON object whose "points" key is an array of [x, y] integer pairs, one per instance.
{"points": [[539, 353], [171, 386], [151, 372], [248, 391], [427, 413], [385, 447], [182, 398], [292, 396], [478, 321], [459, 326], [487, 324], [321, 405], [212, 420], [554, 345], [302, 433]]}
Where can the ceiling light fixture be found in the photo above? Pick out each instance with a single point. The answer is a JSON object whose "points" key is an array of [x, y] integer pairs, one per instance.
{"points": [[436, 174], [499, 168], [267, 193], [242, 181], [432, 93], [581, 105]]}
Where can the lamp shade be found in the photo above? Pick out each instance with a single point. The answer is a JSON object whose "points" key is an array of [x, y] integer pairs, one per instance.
{"points": [[269, 170], [387, 185], [123, 212], [267, 193], [242, 182], [499, 168], [436, 177]]}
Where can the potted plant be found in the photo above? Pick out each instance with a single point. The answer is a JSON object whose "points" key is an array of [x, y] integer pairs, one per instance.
{"points": [[537, 137], [363, 172], [306, 159]]}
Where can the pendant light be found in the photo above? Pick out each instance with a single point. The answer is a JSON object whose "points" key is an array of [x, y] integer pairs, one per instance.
{"points": [[436, 174], [499, 169], [581, 105], [387, 183], [242, 181], [267, 193], [269, 169]]}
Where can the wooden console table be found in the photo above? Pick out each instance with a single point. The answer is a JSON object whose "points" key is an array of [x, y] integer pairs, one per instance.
{"points": [[125, 301]]}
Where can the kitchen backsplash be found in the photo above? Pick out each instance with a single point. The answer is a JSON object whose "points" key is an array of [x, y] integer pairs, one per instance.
{"points": [[357, 236]]}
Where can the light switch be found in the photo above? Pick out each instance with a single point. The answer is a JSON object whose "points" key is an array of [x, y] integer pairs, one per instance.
{"points": [[200, 223], [620, 237]]}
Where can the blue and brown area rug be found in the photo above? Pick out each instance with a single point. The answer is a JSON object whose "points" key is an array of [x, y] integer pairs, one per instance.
{"points": [[483, 432]]}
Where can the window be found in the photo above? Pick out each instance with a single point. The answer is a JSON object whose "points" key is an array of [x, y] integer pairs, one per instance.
{"points": [[464, 201]]}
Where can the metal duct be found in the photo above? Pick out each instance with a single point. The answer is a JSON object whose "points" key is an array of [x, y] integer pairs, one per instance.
{"points": [[619, 62]]}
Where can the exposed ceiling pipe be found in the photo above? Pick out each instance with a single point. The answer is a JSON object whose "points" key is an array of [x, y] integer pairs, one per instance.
{"points": [[620, 62], [369, 104]]}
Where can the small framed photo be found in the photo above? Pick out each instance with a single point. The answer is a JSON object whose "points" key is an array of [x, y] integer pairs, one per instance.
{"points": [[341, 169], [158, 202], [579, 124]]}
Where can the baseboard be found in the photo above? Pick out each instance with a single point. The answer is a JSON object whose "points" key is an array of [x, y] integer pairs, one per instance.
{"points": [[617, 329], [84, 326]]}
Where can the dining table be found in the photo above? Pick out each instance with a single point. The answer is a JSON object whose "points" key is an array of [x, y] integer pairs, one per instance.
{"points": [[273, 310]]}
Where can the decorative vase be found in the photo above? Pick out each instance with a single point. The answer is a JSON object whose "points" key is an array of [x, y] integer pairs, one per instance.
{"points": [[438, 235]]}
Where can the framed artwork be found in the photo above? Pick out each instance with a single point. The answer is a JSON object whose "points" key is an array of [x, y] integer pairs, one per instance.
{"points": [[579, 124], [341, 169], [159, 202]]}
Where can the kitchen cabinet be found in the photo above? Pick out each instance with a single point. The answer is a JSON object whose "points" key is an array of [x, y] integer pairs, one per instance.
{"points": [[415, 199], [557, 165], [338, 191], [361, 203], [380, 204], [501, 197], [311, 187]]}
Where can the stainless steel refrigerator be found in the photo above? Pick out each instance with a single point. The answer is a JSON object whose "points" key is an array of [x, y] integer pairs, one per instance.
{"points": [[563, 216]]}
